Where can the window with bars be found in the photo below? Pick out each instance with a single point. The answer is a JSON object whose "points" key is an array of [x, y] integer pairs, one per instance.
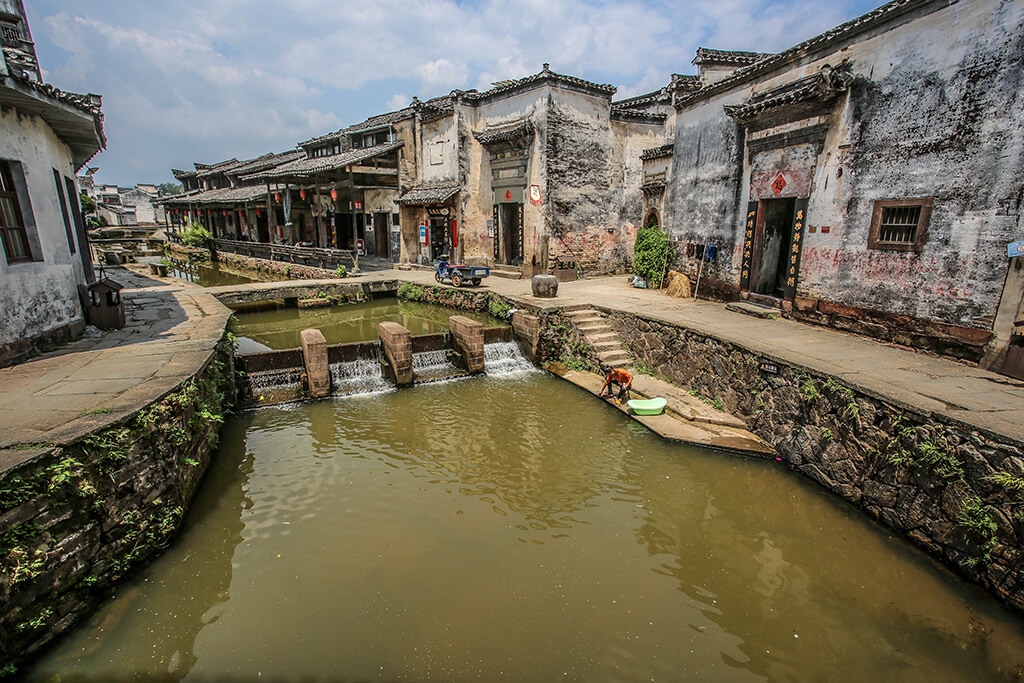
{"points": [[900, 224], [12, 222]]}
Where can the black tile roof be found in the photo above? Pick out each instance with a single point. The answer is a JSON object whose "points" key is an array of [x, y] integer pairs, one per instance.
{"points": [[431, 193], [730, 57]]}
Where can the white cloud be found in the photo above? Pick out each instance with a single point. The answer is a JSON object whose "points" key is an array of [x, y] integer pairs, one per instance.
{"points": [[198, 81], [398, 101]]}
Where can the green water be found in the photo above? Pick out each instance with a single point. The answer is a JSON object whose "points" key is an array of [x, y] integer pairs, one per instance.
{"points": [[273, 327], [207, 275], [518, 529]]}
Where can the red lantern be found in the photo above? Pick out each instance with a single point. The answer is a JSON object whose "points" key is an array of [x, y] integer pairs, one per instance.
{"points": [[277, 196], [224, 212], [302, 194], [239, 213], [259, 212], [334, 194]]}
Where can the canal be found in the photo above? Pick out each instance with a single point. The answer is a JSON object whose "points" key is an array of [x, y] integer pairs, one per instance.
{"points": [[271, 325], [515, 528]]}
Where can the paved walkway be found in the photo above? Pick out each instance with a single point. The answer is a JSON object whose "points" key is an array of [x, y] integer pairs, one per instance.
{"points": [[931, 384], [58, 397]]}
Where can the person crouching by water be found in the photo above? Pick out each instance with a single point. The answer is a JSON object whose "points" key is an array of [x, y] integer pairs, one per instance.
{"points": [[617, 378]]}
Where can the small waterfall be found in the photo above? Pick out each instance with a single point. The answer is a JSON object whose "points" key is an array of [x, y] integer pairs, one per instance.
{"points": [[363, 376], [505, 358], [274, 386], [433, 365]]}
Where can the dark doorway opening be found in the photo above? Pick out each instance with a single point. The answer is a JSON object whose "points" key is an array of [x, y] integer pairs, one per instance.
{"points": [[510, 233], [440, 242], [772, 245], [380, 230]]}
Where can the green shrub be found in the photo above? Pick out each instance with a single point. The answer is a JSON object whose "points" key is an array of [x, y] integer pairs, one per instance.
{"points": [[341, 271], [196, 236], [652, 257]]}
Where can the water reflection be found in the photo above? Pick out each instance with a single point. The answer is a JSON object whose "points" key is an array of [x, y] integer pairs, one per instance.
{"points": [[515, 528], [273, 326], [205, 275]]}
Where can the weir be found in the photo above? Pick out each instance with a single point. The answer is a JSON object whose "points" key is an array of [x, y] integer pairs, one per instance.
{"points": [[360, 368]]}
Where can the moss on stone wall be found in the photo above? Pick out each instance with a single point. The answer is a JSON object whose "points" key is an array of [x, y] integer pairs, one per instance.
{"points": [[461, 299], [80, 518]]}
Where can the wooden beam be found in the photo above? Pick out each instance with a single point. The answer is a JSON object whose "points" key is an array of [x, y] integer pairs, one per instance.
{"points": [[373, 171]]}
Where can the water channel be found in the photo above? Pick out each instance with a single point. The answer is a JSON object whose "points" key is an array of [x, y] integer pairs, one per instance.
{"points": [[205, 275], [272, 326], [512, 527]]}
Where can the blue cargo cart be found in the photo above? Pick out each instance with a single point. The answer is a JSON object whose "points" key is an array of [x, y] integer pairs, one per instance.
{"points": [[459, 273]]}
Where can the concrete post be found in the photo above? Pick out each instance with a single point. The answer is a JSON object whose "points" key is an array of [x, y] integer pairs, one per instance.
{"points": [[468, 340], [396, 341], [314, 358]]}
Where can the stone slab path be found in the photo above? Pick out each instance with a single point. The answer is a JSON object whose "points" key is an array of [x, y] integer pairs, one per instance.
{"points": [[707, 427], [56, 398]]}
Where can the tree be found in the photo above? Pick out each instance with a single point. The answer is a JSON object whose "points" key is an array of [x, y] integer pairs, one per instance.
{"points": [[168, 188], [652, 256], [88, 203]]}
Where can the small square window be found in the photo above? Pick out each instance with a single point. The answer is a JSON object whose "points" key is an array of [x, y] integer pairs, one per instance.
{"points": [[900, 224]]}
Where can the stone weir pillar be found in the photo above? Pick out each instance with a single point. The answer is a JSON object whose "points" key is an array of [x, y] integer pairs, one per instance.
{"points": [[468, 340], [314, 358], [396, 342]]}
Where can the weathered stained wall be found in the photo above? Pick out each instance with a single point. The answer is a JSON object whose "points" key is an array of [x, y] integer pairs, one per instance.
{"points": [[706, 197], [39, 296], [477, 202], [932, 112]]}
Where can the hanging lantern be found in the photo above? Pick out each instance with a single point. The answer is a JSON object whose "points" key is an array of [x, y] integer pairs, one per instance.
{"points": [[239, 213], [224, 212], [334, 194], [259, 212], [302, 194], [277, 196]]}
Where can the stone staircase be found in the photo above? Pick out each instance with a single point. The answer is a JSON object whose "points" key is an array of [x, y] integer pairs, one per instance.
{"points": [[600, 336]]}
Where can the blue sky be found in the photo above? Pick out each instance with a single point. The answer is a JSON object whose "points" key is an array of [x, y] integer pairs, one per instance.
{"points": [[207, 80]]}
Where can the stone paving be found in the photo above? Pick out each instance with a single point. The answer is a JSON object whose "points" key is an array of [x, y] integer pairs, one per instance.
{"points": [[173, 327], [58, 397]]}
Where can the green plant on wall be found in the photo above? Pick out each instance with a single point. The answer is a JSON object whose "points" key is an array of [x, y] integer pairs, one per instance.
{"points": [[499, 308], [652, 257]]}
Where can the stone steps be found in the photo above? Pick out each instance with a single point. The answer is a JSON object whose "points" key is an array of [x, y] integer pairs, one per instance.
{"points": [[601, 337]]}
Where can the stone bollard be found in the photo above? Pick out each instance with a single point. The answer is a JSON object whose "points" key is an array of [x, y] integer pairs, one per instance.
{"points": [[544, 286], [468, 340], [314, 358], [396, 342]]}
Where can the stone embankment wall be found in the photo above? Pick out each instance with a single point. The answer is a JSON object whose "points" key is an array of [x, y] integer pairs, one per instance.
{"points": [[256, 268], [954, 490], [76, 520]]}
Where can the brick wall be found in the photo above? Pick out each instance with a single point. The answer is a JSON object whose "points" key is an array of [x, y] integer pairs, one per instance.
{"points": [[397, 346], [468, 340]]}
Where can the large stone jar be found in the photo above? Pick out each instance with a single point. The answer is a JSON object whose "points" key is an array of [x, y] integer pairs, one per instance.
{"points": [[544, 286]]}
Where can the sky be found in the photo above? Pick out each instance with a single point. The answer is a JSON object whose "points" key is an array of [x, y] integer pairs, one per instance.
{"points": [[188, 81]]}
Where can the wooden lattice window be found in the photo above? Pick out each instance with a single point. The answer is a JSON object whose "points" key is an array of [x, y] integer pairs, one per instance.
{"points": [[12, 221], [900, 224]]}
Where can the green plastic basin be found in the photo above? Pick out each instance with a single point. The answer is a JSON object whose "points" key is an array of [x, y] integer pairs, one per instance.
{"points": [[650, 406]]}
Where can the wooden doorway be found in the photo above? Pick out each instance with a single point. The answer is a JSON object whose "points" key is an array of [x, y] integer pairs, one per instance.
{"points": [[509, 237], [771, 246]]}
